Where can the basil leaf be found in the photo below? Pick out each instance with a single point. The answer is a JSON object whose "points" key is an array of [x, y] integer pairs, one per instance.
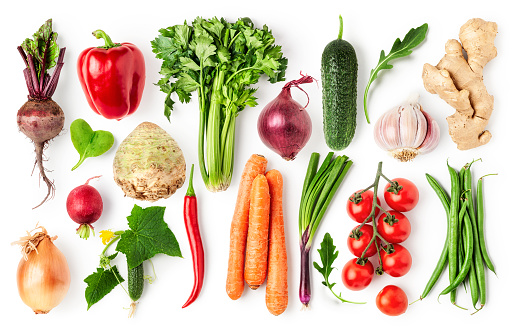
{"points": [[87, 142], [400, 49], [100, 283], [148, 235]]}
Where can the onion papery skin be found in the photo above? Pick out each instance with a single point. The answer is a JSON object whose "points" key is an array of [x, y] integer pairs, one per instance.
{"points": [[284, 125], [44, 278]]}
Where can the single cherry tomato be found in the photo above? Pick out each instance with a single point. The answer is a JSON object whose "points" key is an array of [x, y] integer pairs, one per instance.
{"points": [[394, 228], [392, 300], [358, 241], [398, 262], [359, 206], [402, 196], [357, 274]]}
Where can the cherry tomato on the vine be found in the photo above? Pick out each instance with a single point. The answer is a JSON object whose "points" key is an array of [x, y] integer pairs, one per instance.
{"points": [[403, 196], [357, 276], [398, 262], [358, 241], [359, 207], [392, 300], [394, 228]]}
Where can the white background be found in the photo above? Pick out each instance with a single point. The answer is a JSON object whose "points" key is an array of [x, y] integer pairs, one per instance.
{"points": [[303, 29]]}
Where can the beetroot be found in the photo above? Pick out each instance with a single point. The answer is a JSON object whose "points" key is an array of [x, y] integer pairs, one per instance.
{"points": [[40, 118], [84, 206]]}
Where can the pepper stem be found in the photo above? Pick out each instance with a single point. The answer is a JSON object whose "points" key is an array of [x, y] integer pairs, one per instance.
{"points": [[108, 42], [190, 190]]}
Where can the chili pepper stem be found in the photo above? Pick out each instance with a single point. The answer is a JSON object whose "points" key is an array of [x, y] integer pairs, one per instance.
{"points": [[100, 34], [190, 190]]}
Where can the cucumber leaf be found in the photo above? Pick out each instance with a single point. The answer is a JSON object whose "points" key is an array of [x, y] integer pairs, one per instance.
{"points": [[87, 142], [400, 49], [148, 235], [100, 283]]}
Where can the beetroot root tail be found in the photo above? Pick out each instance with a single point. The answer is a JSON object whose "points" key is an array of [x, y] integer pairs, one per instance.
{"points": [[39, 147]]}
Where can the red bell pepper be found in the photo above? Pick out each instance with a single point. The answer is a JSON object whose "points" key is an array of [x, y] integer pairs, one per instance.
{"points": [[112, 77]]}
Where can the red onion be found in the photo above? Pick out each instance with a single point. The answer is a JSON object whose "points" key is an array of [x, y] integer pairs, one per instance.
{"points": [[284, 125]]}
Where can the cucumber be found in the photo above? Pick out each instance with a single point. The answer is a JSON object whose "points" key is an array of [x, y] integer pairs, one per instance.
{"points": [[339, 84], [136, 282]]}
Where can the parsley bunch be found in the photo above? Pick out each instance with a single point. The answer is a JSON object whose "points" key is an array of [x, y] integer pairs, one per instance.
{"points": [[220, 61]]}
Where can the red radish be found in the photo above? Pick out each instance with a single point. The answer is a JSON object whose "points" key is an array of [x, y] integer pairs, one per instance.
{"points": [[85, 206], [284, 125], [40, 118]]}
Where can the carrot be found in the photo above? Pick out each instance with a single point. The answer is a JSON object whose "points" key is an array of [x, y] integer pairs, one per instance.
{"points": [[256, 261], [276, 287], [239, 228]]}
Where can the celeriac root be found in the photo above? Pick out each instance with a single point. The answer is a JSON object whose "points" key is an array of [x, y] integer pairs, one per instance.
{"points": [[458, 80]]}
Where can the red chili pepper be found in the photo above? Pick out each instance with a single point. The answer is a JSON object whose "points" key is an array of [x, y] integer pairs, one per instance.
{"points": [[195, 240], [112, 77]]}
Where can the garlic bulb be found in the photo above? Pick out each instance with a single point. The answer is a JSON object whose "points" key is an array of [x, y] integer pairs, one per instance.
{"points": [[407, 131]]}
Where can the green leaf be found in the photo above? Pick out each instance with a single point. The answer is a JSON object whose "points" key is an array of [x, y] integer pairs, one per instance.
{"points": [[38, 46], [100, 283], [87, 142], [328, 255], [400, 49], [148, 235]]}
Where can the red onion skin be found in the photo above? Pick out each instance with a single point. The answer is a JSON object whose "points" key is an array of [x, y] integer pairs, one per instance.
{"points": [[284, 125]]}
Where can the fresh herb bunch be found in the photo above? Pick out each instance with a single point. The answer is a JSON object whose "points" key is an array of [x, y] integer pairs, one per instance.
{"points": [[148, 236], [219, 60]]}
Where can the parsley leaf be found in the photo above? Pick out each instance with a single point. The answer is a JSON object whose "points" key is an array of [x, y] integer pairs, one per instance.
{"points": [[148, 235], [328, 255], [400, 49], [100, 283]]}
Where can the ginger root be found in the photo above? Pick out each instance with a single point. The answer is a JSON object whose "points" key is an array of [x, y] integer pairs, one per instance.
{"points": [[458, 80]]}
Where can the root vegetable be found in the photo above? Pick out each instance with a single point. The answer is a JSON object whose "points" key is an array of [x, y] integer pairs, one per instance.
{"points": [[276, 285], [284, 125], [239, 227], [255, 268], [84, 206], [149, 164], [458, 81], [43, 275], [40, 118]]}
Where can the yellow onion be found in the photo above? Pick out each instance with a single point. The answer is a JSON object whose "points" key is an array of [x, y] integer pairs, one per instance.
{"points": [[43, 275]]}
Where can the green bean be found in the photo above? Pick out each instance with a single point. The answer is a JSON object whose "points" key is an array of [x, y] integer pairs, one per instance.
{"points": [[480, 225], [473, 284], [443, 196], [453, 241], [467, 260]]}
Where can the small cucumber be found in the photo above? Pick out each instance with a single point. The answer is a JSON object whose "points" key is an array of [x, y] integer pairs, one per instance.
{"points": [[339, 84], [136, 282]]}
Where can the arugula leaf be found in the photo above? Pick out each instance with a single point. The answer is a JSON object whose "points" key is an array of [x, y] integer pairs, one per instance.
{"points": [[400, 49], [100, 283], [328, 255], [148, 235], [87, 142]]}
